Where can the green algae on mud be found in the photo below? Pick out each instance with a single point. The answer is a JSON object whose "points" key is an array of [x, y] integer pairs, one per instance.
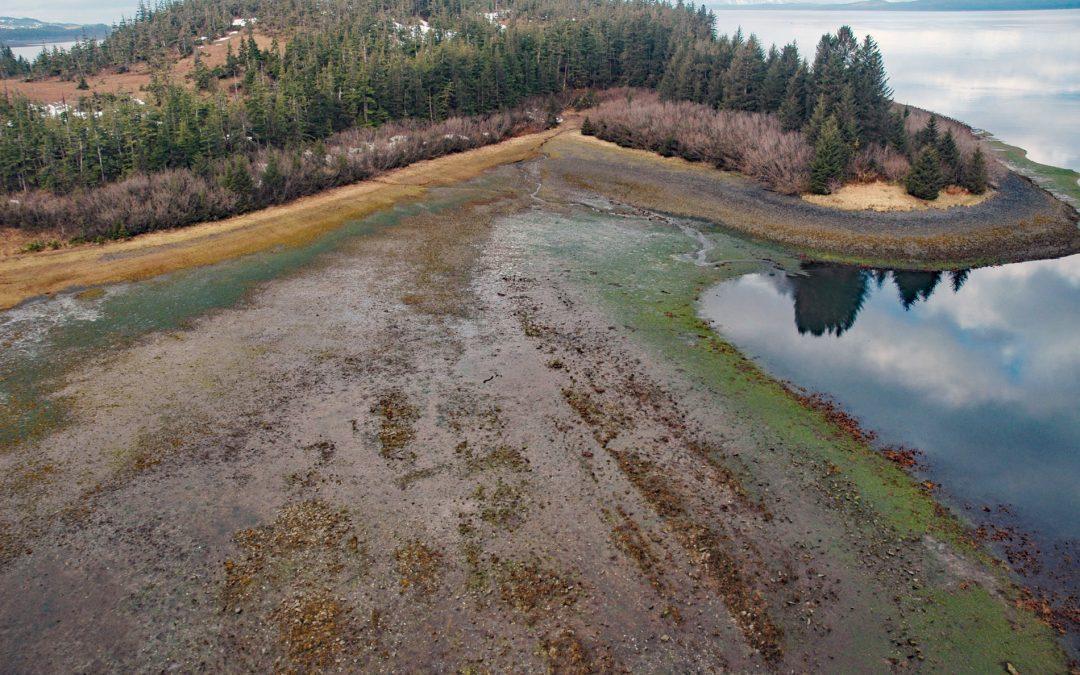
{"points": [[653, 290], [1062, 183], [87, 324]]}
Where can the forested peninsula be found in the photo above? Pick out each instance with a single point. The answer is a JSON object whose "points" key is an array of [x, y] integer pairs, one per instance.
{"points": [[310, 95]]}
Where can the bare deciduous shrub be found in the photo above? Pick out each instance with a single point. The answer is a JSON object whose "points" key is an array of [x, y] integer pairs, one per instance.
{"points": [[752, 143], [876, 162]]}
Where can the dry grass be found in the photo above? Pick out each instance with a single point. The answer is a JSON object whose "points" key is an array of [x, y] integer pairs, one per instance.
{"points": [[628, 538], [54, 89], [882, 196], [500, 457], [566, 654], [606, 419], [708, 550], [504, 506], [308, 538]]}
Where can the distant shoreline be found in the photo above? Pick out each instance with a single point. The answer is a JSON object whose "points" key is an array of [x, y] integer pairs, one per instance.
{"points": [[909, 6]]}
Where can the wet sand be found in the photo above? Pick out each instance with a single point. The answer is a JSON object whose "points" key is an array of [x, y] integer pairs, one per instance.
{"points": [[484, 438]]}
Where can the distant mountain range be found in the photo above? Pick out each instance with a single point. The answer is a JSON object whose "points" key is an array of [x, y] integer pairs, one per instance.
{"points": [[19, 32], [911, 5]]}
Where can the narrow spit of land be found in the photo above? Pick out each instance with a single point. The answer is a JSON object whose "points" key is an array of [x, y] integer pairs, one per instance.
{"points": [[28, 275], [487, 434], [1020, 222]]}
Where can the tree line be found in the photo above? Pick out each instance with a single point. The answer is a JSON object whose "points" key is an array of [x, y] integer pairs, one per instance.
{"points": [[337, 65], [839, 107], [322, 82]]}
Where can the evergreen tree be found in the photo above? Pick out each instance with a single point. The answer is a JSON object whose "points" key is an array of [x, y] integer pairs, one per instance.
{"points": [[792, 112], [873, 95], [237, 179], [745, 78], [817, 120], [847, 117], [201, 75], [897, 133], [928, 135], [924, 180], [950, 158], [587, 128], [831, 156], [975, 176], [272, 180]]}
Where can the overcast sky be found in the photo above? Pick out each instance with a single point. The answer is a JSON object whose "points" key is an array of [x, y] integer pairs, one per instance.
{"points": [[108, 11], [79, 11]]}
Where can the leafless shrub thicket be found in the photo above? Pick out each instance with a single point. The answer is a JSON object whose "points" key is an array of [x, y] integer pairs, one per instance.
{"points": [[752, 143], [876, 162]]}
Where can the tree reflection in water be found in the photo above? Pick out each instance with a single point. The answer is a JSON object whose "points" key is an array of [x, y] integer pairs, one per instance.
{"points": [[828, 297]]}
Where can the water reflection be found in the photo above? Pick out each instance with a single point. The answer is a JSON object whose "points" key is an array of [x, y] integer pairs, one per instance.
{"points": [[828, 298], [980, 369]]}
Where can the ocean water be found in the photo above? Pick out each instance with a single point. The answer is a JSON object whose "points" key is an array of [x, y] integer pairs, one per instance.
{"points": [[1014, 74]]}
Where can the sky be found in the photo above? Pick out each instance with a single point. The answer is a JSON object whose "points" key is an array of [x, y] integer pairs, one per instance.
{"points": [[761, 2], [78, 11], [108, 11]]}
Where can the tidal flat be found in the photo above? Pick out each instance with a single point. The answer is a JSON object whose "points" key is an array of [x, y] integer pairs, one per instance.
{"points": [[480, 429]]}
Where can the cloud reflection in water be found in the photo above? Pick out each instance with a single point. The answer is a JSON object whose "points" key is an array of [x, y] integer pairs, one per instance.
{"points": [[979, 369]]}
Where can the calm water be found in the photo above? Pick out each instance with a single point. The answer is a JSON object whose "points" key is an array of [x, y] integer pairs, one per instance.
{"points": [[1015, 74], [979, 369], [31, 52]]}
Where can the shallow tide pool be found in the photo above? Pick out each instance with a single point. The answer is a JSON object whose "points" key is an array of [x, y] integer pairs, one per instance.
{"points": [[979, 369]]}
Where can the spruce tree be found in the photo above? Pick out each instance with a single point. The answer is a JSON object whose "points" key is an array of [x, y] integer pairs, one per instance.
{"points": [[924, 179], [831, 156], [928, 135], [820, 114], [950, 158], [745, 78], [273, 180], [587, 128], [793, 109], [897, 134], [847, 118], [237, 179], [872, 91], [974, 177]]}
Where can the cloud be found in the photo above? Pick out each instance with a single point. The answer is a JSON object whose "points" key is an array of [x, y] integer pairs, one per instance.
{"points": [[77, 11]]}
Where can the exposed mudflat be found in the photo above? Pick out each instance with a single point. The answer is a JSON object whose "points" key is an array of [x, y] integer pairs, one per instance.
{"points": [[482, 436]]}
